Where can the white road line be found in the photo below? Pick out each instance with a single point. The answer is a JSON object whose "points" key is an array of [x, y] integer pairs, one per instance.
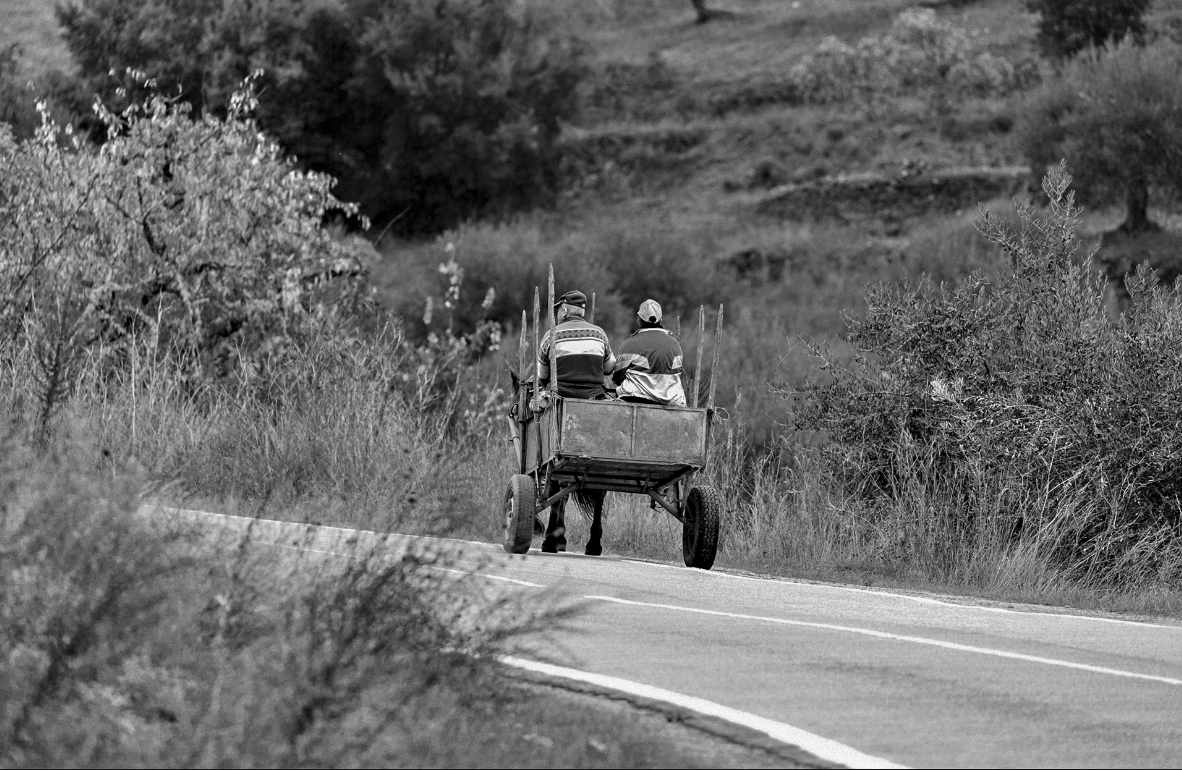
{"points": [[911, 598], [490, 577], [901, 638], [828, 750]]}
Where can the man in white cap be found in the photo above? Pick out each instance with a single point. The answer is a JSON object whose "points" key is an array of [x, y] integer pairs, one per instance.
{"points": [[648, 368]]}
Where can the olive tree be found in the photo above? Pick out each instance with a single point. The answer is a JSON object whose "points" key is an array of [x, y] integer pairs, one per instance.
{"points": [[1116, 117], [1066, 27]]}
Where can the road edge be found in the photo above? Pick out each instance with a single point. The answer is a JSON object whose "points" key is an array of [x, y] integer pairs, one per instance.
{"points": [[749, 730], [713, 726]]}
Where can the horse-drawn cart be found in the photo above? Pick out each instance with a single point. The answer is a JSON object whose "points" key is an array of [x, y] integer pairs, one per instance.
{"points": [[614, 446]]}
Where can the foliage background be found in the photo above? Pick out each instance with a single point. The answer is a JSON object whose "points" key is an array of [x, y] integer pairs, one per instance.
{"points": [[635, 151]]}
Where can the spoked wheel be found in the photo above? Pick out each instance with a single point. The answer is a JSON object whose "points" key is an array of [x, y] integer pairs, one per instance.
{"points": [[518, 513], [699, 534]]}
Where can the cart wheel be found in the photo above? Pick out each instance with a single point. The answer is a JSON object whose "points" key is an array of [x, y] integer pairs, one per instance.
{"points": [[699, 535], [519, 513]]}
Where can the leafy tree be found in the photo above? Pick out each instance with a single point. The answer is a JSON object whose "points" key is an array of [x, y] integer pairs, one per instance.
{"points": [[1116, 116], [457, 106], [1066, 27], [426, 111], [160, 37]]}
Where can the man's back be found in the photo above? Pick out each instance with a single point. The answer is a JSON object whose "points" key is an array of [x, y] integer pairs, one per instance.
{"points": [[582, 355], [652, 362]]}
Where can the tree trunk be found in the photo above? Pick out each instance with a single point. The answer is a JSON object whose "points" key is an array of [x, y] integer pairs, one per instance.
{"points": [[1137, 207], [704, 13]]}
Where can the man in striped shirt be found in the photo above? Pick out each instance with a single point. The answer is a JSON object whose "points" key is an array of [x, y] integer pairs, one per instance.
{"points": [[582, 355], [650, 363], [582, 352]]}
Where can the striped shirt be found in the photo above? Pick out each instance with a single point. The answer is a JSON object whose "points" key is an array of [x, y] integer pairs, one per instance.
{"points": [[651, 359], [583, 355]]}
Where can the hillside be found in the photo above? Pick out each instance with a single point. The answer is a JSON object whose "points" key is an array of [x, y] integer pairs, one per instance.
{"points": [[31, 25]]}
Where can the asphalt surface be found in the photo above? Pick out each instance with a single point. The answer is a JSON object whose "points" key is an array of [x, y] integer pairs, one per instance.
{"points": [[910, 679]]}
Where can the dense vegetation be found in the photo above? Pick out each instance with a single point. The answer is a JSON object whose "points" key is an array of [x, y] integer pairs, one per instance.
{"points": [[1020, 406], [426, 113], [205, 318]]}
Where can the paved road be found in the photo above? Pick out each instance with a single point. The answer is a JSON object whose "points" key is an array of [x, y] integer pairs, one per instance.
{"points": [[910, 679]]}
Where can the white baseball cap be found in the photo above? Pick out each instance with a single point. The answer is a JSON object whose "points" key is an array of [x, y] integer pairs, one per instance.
{"points": [[649, 311]]}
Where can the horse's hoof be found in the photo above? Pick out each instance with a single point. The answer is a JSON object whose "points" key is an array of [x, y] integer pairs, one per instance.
{"points": [[594, 550], [553, 547]]}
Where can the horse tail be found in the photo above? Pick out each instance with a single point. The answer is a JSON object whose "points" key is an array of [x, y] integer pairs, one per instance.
{"points": [[587, 500]]}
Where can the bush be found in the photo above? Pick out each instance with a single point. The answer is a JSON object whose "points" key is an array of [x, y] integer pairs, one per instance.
{"points": [[1066, 27], [919, 54], [1116, 116], [1020, 405]]}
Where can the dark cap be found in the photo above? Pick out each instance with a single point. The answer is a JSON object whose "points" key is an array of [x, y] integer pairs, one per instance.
{"points": [[576, 298]]}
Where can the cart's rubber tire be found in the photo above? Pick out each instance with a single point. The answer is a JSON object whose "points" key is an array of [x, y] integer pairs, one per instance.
{"points": [[699, 534], [518, 513]]}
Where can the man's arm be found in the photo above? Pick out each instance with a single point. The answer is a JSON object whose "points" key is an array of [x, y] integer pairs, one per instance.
{"points": [[544, 362], [609, 358]]}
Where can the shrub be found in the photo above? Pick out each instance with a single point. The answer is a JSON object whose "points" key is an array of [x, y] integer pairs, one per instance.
{"points": [[196, 236], [920, 53], [1066, 27], [1020, 404], [1116, 116]]}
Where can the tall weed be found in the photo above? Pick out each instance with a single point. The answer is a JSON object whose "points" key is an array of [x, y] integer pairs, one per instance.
{"points": [[130, 639]]}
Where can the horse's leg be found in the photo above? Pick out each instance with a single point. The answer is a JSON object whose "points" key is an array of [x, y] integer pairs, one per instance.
{"points": [[556, 531], [594, 546]]}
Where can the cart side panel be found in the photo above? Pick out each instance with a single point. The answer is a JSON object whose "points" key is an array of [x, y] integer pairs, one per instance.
{"points": [[620, 430], [541, 437], [597, 428], [677, 435]]}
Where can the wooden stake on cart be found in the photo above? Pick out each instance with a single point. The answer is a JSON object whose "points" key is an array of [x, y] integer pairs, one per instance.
{"points": [[537, 342], [591, 315], [522, 355], [714, 364], [521, 409], [553, 347], [698, 365], [677, 334]]}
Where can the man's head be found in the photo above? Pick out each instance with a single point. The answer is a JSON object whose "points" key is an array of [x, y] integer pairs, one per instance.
{"points": [[573, 304], [649, 314]]}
